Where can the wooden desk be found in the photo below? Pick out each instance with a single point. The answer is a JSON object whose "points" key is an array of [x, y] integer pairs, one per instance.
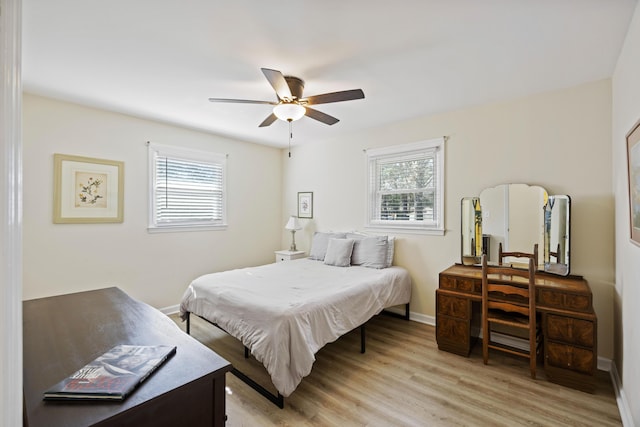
{"points": [[569, 323], [63, 333]]}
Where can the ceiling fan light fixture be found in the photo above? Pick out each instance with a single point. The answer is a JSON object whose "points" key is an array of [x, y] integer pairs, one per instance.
{"points": [[289, 111]]}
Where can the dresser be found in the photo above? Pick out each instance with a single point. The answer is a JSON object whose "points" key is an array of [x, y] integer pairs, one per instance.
{"points": [[569, 323], [63, 333]]}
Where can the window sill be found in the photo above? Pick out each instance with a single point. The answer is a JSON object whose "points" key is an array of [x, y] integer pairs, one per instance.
{"points": [[186, 228], [405, 230]]}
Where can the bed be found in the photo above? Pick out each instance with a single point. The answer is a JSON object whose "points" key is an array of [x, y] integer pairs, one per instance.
{"points": [[283, 313]]}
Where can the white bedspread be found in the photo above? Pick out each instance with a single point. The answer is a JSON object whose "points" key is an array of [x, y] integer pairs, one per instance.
{"points": [[285, 312]]}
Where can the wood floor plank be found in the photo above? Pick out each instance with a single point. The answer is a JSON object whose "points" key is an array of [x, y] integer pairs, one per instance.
{"points": [[404, 380]]}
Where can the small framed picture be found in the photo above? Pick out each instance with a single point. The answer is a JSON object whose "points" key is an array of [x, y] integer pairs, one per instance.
{"points": [[87, 190], [305, 204], [633, 158]]}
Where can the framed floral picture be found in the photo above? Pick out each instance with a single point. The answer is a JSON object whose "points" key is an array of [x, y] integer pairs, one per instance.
{"points": [[87, 190], [633, 158], [305, 204]]}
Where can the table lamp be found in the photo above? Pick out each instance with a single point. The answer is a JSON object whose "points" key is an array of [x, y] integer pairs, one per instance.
{"points": [[293, 225]]}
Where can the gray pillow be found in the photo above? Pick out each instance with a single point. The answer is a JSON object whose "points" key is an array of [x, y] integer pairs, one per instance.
{"points": [[371, 252], [339, 252], [320, 242], [356, 235]]}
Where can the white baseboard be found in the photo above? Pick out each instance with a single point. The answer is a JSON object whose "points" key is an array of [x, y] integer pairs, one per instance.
{"points": [[173, 309], [423, 318], [604, 364], [418, 317], [621, 398]]}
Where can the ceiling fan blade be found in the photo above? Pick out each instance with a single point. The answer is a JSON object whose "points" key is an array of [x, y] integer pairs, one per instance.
{"points": [[241, 101], [278, 82], [321, 117], [270, 119], [325, 98]]}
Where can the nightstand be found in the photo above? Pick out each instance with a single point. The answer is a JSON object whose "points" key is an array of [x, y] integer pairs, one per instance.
{"points": [[288, 255]]}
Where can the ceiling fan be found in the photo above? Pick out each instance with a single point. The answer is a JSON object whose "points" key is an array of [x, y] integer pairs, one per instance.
{"points": [[291, 105]]}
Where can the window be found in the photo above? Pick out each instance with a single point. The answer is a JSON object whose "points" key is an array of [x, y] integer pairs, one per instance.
{"points": [[187, 188], [406, 188]]}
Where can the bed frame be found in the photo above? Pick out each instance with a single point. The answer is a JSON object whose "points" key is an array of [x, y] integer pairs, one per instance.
{"points": [[277, 399]]}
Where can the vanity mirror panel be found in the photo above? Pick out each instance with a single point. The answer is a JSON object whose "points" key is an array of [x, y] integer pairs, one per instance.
{"points": [[516, 216], [512, 215], [471, 227], [557, 214]]}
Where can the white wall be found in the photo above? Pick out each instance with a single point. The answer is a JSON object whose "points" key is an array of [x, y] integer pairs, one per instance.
{"points": [[626, 112], [156, 268], [559, 140]]}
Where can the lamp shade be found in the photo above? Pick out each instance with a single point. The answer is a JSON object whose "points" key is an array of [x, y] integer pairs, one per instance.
{"points": [[289, 112], [293, 224]]}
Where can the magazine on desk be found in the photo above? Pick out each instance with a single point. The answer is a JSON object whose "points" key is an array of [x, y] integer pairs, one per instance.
{"points": [[113, 375]]}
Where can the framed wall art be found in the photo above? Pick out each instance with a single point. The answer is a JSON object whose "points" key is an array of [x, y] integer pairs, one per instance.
{"points": [[87, 190], [633, 164], [305, 204]]}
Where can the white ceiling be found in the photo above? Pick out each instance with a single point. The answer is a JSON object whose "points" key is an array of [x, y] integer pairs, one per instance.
{"points": [[162, 59]]}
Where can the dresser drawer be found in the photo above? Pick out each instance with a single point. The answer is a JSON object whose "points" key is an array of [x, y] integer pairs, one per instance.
{"points": [[570, 357], [451, 305], [452, 329], [565, 301], [571, 331], [462, 284], [447, 282], [454, 335]]}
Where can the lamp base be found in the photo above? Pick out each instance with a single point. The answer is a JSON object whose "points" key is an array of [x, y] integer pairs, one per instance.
{"points": [[293, 241]]}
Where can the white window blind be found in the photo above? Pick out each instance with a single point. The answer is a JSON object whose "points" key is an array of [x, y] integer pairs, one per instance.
{"points": [[405, 186], [188, 188]]}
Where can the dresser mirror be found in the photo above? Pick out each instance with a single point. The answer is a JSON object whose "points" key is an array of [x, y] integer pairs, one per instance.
{"points": [[557, 213], [517, 216]]}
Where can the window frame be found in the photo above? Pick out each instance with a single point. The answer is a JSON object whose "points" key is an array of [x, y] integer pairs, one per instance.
{"points": [[185, 154], [434, 148]]}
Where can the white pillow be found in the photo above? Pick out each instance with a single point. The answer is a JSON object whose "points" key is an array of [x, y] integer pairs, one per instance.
{"points": [[320, 242], [390, 251], [339, 252], [371, 252]]}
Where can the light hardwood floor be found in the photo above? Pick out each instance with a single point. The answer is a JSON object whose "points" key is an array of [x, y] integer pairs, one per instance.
{"points": [[404, 380]]}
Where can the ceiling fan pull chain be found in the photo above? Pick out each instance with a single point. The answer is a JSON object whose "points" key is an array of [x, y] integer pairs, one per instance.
{"points": [[290, 136]]}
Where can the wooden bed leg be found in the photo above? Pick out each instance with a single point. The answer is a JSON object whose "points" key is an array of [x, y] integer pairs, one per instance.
{"points": [[362, 339], [406, 312], [188, 323]]}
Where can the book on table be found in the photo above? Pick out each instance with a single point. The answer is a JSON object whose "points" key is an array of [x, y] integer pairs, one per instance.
{"points": [[113, 375]]}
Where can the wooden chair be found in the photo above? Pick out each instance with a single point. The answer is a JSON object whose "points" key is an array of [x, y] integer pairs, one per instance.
{"points": [[508, 299], [534, 255]]}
